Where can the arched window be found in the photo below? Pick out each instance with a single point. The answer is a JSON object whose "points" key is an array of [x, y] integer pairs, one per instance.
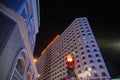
{"points": [[29, 76], [20, 66], [20, 63]]}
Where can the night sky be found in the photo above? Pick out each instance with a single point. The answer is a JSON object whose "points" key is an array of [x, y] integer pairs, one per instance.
{"points": [[104, 18]]}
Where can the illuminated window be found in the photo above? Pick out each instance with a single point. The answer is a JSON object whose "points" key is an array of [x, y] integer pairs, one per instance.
{"points": [[20, 66]]}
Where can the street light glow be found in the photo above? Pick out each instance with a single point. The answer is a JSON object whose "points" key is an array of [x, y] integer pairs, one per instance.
{"points": [[38, 75], [35, 60]]}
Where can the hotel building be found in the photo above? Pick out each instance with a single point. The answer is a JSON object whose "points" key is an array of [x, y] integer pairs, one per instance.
{"points": [[77, 39]]}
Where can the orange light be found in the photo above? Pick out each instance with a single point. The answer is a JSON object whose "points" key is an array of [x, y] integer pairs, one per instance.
{"points": [[35, 60], [39, 75], [50, 44], [69, 58]]}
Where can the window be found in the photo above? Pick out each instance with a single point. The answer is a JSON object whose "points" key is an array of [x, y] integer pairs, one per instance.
{"points": [[29, 77], [81, 28], [95, 50], [82, 31], [13, 78], [86, 68], [75, 48], [76, 56], [83, 58], [88, 31], [81, 48], [93, 67], [88, 50], [79, 71], [20, 66], [87, 46], [95, 74], [97, 55], [82, 53], [98, 60], [91, 61], [84, 63], [101, 66], [89, 56], [78, 66], [103, 74], [78, 36], [93, 45], [92, 41], [77, 61], [83, 34]]}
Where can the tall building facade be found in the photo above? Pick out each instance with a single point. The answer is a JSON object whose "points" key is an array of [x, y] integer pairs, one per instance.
{"points": [[77, 39], [19, 23]]}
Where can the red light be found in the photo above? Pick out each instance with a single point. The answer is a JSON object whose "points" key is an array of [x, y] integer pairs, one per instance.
{"points": [[69, 59]]}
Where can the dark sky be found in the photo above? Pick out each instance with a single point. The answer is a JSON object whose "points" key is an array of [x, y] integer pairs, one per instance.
{"points": [[103, 17]]}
